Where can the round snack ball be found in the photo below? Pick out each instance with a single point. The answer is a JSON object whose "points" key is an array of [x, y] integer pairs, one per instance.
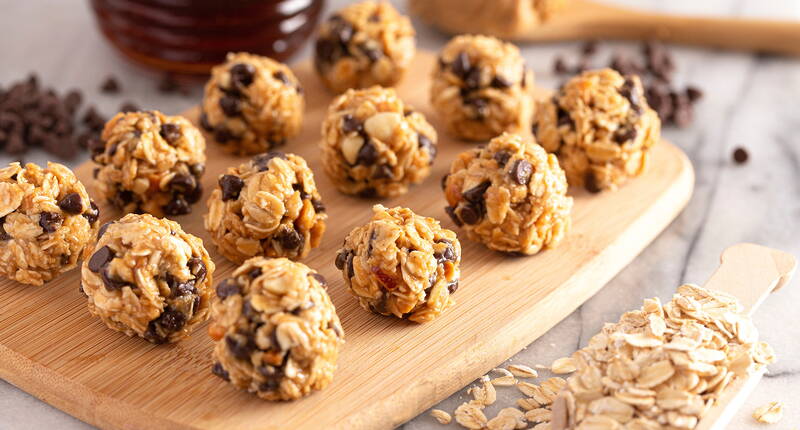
{"points": [[276, 330], [146, 277], [373, 145], [481, 88], [510, 195], [268, 206], [365, 44], [252, 104], [150, 162], [600, 126], [46, 220], [401, 264]]}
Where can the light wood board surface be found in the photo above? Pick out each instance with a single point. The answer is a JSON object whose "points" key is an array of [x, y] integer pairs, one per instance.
{"points": [[389, 370]]}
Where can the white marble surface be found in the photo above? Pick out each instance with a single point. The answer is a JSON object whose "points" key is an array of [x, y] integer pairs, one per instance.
{"points": [[751, 101]]}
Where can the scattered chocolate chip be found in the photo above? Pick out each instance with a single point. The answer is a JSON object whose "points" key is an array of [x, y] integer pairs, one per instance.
{"points": [[290, 239], [167, 84], [222, 135], [628, 90], [239, 345], [182, 184], [427, 144], [197, 268], [501, 157], [342, 30], [254, 273], [100, 258], [170, 132], [470, 213], [261, 161], [453, 216], [318, 206], [172, 320], [230, 105], [740, 155], [589, 47], [350, 124], [177, 206], [479, 105], [110, 86], [500, 82], [371, 53], [321, 279], [521, 172], [590, 183], [472, 81], [452, 287], [384, 171], [93, 213], [475, 194], [461, 65], [625, 135], [230, 185], [325, 52], [129, 106], [102, 230], [367, 155], [227, 288], [563, 117], [50, 221], [220, 371], [204, 122], [71, 203], [279, 75], [448, 254], [694, 93], [242, 74]]}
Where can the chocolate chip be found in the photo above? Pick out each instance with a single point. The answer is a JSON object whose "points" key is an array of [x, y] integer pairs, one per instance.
{"points": [[172, 320], [563, 117], [182, 183], [318, 206], [461, 65], [170, 132], [222, 135], [50, 221], [261, 161], [740, 155], [350, 269], [452, 287], [479, 105], [290, 239], [341, 259], [560, 66], [426, 143], [325, 51], [3, 234], [383, 171], [371, 53], [625, 135], [628, 90], [239, 345], [220, 371], [242, 74], [367, 155], [197, 268], [177, 206], [230, 105], [320, 279], [231, 186], [167, 84], [254, 273], [101, 257], [129, 106], [501, 157], [448, 254], [279, 75], [521, 172], [368, 193], [93, 213], [470, 213], [102, 230], [589, 47], [204, 122], [472, 81], [110, 283], [443, 181], [475, 194], [500, 82], [350, 124], [342, 30], [123, 198], [227, 288], [694, 93], [110, 86], [590, 183], [453, 216], [71, 203]]}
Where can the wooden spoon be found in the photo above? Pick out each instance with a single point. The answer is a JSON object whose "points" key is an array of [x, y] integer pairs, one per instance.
{"points": [[750, 273], [586, 19]]}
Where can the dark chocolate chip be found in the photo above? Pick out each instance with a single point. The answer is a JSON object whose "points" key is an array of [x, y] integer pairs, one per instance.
{"points": [[452, 287], [453, 216], [560, 66], [628, 90], [254, 272], [242, 74], [384, 171], [342, 29], [740, 155], [426, 143], [129, 106], [110, 283], [102, 230], [320, 279], [261, 161], [204, 122], [590, 183], [351, 124], [521, 172], [170, 132], [110, 86], [350, 269], [71, 203], [197, 169], [500, 82], [227, 288], [319, 207], [480, 106], [625, 135], [279, 75], [100, 258], [368, 193], [448, 254], [475, 194], [230, 105], [461, 65], [50, 221], [168, 84], [3, 234], [197, 268], [589, 47], [325, 51], [223, 135], [472, 81], [341, 259], [290, 239], [694, 93], [231, 186], [239, 345], [443, 181], [470, 213], [367, 155], [563, 117], [93, 213], [371, 53], [177, 206], [220, 371], [172, 320], [501, 157]]}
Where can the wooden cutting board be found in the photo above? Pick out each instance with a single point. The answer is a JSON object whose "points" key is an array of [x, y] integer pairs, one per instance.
{"points": [[389, 370]]}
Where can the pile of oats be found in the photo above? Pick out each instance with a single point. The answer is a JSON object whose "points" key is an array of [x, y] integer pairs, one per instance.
{"points": [[662, 366]]}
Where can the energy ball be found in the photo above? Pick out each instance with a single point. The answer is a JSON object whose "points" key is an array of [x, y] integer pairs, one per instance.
{"points": [[276, 331], [481, 88], [268, 206], [510, 195], [401, 264], [362, 45], [150, 162], [46, 220], [146, 277], [600, 126], [252, 104], [374, 145]]}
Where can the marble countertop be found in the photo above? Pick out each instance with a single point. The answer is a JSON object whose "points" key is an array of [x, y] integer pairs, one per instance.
{"points": [[750, 101]]}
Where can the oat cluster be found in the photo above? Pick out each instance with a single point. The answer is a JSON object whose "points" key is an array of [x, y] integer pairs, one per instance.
{"points": [[150, 162], [510, 195], [364, 44], [276, 331], [268, 206], [600, 126], [662, 367], [401, 264], [252, 104], [46, 220], [481, 88], [146, 277], [375, 145]]}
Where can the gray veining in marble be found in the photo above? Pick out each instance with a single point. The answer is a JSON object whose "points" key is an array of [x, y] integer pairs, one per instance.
{"points": [[750, 101]]}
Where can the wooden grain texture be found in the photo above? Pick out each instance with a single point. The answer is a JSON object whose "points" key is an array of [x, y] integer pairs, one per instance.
{"points": [[590, 19], [389, 370], [750, 273]]}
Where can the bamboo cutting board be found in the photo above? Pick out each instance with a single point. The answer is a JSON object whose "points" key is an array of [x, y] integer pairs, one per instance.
{"points": [[389, 370]]}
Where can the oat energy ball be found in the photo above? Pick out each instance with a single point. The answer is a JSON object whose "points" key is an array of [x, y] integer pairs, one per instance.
{"points": [[252, 104], [150, 162], [46, 220], [511, 195], [401, 264], [276, 331], [146, 277], [364, 44], [373, 145], [601, 128], [268, 206], [481, 88]]}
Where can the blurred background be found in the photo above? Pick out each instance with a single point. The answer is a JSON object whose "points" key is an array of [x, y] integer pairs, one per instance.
{"points": [[750, 101]]}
